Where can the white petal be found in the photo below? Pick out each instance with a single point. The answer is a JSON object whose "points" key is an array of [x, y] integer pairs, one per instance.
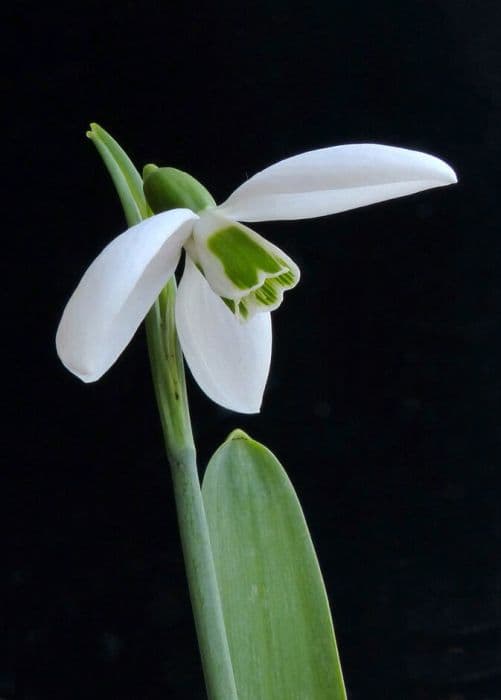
{"points": [[117, 290], [229, 359], [335, 179]]}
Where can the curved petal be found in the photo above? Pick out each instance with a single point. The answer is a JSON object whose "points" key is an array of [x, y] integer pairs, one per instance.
{"points": [[117, 290], [230, 360], [331, 180]]}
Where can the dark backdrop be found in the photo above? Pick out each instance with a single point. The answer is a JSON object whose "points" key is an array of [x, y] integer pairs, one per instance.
{"points": [[383, 403]]}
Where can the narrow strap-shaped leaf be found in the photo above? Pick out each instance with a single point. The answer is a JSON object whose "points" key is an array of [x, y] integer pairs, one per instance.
{"points": [[275, 607], [127, 180]]}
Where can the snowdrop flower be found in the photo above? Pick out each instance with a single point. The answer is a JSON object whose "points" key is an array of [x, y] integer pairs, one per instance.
{"points": [[233, 278]]}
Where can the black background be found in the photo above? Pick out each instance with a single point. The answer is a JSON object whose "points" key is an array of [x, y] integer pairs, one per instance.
{"points": [[383, 402]]}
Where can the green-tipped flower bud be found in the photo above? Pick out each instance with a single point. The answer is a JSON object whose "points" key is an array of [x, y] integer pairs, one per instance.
{"points": [[169, 188]]}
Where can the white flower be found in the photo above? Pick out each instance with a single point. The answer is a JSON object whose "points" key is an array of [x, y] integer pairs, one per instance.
{"points": [[233, 277]]}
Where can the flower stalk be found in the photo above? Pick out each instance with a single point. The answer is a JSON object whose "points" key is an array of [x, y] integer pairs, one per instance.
{"points": [[170, 389]]}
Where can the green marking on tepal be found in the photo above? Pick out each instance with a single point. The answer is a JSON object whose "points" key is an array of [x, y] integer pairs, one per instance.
{"points": [[242, 257], [268, 294], [230, 303]]}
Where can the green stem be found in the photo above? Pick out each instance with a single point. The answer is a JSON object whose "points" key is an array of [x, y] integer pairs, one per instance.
{"points": [[170, 388]]}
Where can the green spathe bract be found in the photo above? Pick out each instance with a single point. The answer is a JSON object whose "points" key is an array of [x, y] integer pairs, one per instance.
{"points": [[126, 179], [276, 613], [169, 188]]}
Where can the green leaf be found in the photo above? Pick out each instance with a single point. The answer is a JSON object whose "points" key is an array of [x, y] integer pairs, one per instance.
{"points": [[127, 180], [275, 607]]}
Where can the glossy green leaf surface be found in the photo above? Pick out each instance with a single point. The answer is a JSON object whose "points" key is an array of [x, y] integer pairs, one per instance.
{"points": [[276, 611]]}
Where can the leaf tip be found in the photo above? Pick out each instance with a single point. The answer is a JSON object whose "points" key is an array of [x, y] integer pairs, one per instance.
{"points": [[237, 435]]}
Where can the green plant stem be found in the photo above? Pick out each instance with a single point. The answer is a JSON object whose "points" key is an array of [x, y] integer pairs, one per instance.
{"points": [[170, 388]]}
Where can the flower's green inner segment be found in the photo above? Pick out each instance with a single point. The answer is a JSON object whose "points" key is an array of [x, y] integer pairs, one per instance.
{"points": [[242, 258], [246, 262]]}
